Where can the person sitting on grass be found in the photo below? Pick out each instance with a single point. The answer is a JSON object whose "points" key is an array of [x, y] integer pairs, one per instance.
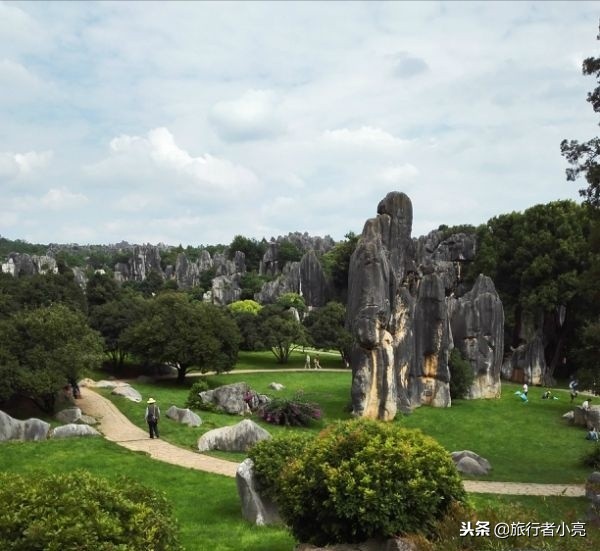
{"points": [[592, 435]]}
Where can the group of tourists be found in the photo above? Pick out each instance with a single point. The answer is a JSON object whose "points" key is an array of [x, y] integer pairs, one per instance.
{"points": [[315, 362]]}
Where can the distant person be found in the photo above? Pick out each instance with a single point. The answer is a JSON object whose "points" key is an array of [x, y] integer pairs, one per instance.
{"points": [[525, 389], [586, 404], [592, 435], [317, 362], [547, 395], [307, 362], [573, 389], [75, 388], [152, 416]]}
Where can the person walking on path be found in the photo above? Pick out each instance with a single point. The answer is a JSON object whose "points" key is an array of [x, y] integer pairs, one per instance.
{"points": [[317, 362], [307, 362], [525, 389], [152, 416]]}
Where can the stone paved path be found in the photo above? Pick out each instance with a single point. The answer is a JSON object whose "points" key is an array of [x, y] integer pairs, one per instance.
{"points": [[117, 428]]}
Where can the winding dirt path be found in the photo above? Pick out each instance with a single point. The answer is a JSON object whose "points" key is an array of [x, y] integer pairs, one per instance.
{"points": [[117, 428]]}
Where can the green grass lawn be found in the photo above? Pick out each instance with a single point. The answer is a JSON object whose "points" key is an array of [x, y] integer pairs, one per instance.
{"points": [[525, 442]]}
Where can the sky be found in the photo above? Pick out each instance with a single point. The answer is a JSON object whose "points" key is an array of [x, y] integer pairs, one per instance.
{"points": [[192, 122]]}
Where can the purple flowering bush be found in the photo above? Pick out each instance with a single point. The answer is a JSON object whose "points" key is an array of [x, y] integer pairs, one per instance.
{"points": [[291, 412]]}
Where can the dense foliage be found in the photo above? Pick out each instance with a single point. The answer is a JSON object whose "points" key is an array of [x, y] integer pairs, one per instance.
{"points": [[193, 400], [461, 375], [77, 512], [185, 334], [365, 479], [280, 331], [326, 328], [43, 350]]}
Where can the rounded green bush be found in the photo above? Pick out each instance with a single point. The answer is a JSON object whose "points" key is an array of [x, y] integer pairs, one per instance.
{"points": [[68, 512], [364, 479], [193, 400], [270, 456]]}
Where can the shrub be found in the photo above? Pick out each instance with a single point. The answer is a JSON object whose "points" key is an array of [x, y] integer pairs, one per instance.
{"points": [[79, 512], [193, 400], [364, 479], [461, 375], [591, 458], [272, 455], [293, 412]]}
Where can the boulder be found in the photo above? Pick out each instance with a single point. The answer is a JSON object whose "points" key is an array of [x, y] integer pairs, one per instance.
{"points": [[468, 462], [276, 386], [73, 430], [237, 438], [74, 415], [256, 509], [526, 363], [227, 398], [15, 429], [128, 392], [184, 416], [570, 417], [107, 384], [592, 417]]}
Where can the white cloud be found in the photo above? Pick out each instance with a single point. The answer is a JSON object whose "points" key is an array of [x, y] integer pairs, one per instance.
{"points": [[14, 165], [249, 117], [62, 198], [365, 137], [157, 156], [399, 174]]}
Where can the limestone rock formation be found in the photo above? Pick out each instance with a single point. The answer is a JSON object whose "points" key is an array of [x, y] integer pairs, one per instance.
{"points": [[287, 282], [15, 429], [226, 289], [526, 363], [256, 508], [23, 264], [404, 308], [127, 391], [313, 284], [228, 398], [184, 416], [74, 415], [477, 321], [237, 438], [73, 430]]}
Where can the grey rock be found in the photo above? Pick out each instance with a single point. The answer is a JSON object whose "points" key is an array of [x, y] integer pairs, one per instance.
{"points": [[256, 508], [287, 282], [28, 430], [570, 417], [592, 417], [526, 363], [69, 415], [226, 289], [468, 462], [239, 437], [477, 322], [314, 287], [276, 386], [105, 384], [73, 430], [128, 392], [592, 485], [184, 416], [228, 398]]}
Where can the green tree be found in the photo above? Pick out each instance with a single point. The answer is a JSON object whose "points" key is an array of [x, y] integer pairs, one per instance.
{"points": [[44, 348], [461, 375], [188, 335], [281, 332], [326, 329], [336, 264], [536, 259], [584, 156], [292, 300], [288, 252], [251, 284], [45, 289], [253, 251], [112, 318], [101, 288], [246, 306]]}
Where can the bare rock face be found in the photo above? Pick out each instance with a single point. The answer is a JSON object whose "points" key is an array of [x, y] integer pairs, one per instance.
{"points": [[184, 416], [20, 264], [404, 317], [28, 430], [287, 282], [526, 363], [477, 321], [313, 284], [226, 289], [237, 438], [256, 508]]}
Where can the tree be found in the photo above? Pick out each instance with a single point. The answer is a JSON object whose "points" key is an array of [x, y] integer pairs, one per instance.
{"points": [[245, 306], [292, 300], [253, 251], [326, 329], [584, 156], [45, 348], [101, 288], [536, 259], [188, 335], [288, 252], [45, 289], [281, 331], [336, 263], [112, 318]]}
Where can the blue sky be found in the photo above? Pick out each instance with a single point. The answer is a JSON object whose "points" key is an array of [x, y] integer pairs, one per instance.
{"points": [[191, 122]]}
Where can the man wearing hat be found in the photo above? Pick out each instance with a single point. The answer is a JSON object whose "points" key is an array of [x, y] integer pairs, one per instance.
{"points": [[152, 416]]}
